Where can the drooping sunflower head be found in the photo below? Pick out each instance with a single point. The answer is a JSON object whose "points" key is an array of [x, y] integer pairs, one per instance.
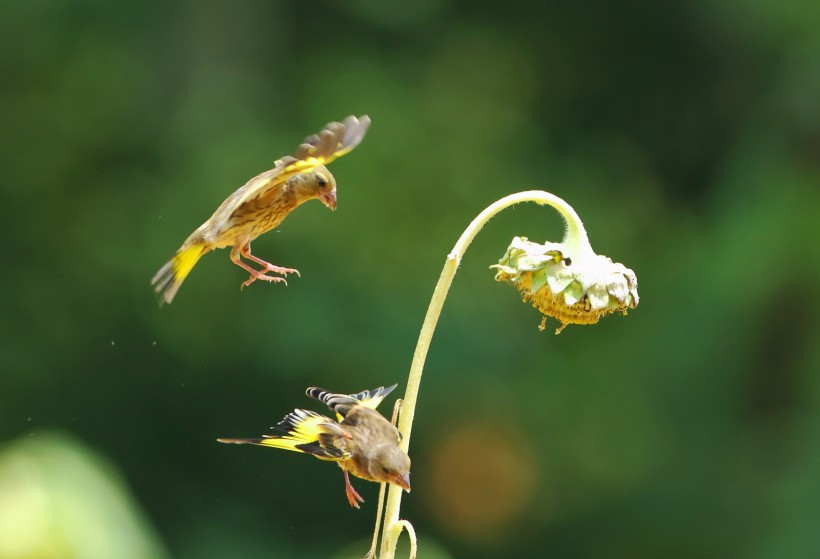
{"points": [[572, 288]]}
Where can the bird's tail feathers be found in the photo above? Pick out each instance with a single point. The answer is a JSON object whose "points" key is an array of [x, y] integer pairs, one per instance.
{"points": [[306, 432], [255, 440], [167, 280], [343, 403]]}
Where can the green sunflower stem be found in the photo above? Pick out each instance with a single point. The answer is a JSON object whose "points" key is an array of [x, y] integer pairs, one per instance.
{"points": [[578, 243]]}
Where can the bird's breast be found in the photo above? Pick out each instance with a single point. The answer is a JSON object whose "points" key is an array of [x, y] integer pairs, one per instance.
{"points": [[357, 465], [261, 214]]}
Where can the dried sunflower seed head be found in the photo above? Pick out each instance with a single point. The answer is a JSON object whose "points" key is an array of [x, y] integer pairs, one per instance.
{"points": [[575, 288]]}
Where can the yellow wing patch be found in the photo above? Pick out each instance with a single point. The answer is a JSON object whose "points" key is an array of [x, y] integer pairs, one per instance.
{"points": [[307, 432]]}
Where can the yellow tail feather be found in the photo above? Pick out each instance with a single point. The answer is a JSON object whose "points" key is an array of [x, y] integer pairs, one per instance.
{"points": [[167, 280]]}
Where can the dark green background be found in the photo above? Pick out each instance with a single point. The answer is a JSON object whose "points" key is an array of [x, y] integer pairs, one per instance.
{"points": [[685, 134]]}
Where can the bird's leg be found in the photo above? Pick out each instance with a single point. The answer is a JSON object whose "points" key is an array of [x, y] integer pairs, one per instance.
{"points": [[255, 274], [352, 497], [236, 253], [267, 266]]}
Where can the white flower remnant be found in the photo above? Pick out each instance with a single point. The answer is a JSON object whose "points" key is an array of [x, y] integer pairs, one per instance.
{"points": [[574, 287]]}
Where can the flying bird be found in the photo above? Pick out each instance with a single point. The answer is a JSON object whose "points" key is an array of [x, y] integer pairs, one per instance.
{"points": [[262, 204], [361, 441]]}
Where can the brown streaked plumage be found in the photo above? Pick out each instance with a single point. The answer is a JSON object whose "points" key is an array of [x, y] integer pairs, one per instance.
{"points": [[362, 442], [262, 204]]}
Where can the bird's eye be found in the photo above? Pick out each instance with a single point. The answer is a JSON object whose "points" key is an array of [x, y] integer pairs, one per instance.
{"points": [[321, 182], [385, 469]]}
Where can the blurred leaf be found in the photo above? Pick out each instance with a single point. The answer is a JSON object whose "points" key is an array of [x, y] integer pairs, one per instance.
{"points": [[58, 499]]}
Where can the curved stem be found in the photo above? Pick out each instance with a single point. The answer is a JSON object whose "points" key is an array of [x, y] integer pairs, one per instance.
{"points": [[576, 235], [576, 241], [371, 554]]}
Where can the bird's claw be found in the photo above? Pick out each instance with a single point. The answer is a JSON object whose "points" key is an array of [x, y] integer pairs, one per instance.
{"points": [[260, 276], [280, 270], [353, 497]]}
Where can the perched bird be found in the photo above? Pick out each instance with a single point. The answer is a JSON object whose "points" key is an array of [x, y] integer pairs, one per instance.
{"points": [[262, 204], [362, 441]]}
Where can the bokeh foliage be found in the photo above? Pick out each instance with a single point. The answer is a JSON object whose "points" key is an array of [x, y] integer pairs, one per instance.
{"points": [[685, 134]]}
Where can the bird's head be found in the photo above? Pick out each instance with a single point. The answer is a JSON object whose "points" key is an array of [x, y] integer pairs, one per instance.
{"points": [[316, 183], [391, 464]]}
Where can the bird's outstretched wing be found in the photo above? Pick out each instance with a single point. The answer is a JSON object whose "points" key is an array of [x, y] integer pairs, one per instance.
{"points": [[343, 403], [307, 432], [335, 140]]}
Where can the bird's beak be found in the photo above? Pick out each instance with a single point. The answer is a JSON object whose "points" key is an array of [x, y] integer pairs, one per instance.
{"points": [[329, 199], [402, 480]]}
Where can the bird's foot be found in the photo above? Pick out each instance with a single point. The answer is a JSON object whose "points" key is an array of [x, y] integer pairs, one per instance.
{"points": [[263, 277], [352, 496], [261, 274], [268, 267]]}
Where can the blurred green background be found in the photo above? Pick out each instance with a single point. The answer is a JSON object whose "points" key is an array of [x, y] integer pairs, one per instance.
{"points": [[685, 134]]}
